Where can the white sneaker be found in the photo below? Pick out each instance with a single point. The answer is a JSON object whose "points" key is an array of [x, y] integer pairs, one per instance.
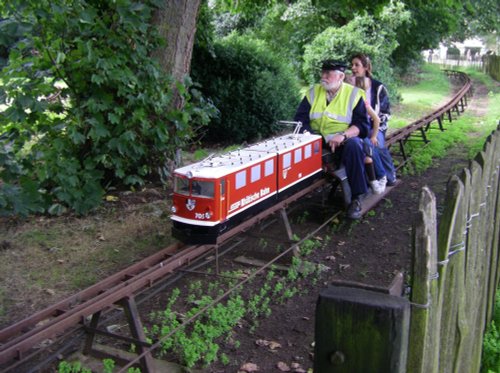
{"points": [[377, 187], [383, 182]]}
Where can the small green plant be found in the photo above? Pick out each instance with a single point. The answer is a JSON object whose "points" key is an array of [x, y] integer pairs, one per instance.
{"points": [[302, 218], [308, 246], [198, 343], [263, 243], [371, 213], [491, 342], [75, 367], [352, 225], [108, 365], [224, 359]]}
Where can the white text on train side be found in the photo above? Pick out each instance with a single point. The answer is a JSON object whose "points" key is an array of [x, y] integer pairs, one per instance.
{"points": [[250, 198]]}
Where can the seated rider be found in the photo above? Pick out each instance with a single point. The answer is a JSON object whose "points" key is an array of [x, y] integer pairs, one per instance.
{"points": [[374, 167], [337, 111]]}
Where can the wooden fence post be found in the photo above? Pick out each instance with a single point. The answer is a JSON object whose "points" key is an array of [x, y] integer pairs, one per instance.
{"points": [[359, 330], [463, 325], [423, 350], [471, 353], [451, 261], [491, 200]]}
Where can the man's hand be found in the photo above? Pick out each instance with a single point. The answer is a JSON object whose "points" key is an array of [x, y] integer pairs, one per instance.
{"points": [[336, 141]]}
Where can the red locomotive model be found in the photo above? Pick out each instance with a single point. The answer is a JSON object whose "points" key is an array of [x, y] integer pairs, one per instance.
{"points": [[218, 193]]}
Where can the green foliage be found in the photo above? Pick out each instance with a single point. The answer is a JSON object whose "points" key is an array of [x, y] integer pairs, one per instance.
{"points": [[75, 367], [198, 343], [491, 342], [431, 22], [251, 87], [308, 246], [372, 35], [85, 105], [108, 365]]}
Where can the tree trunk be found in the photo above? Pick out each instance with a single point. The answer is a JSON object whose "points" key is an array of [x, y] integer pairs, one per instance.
{"points": [[176, 21]]}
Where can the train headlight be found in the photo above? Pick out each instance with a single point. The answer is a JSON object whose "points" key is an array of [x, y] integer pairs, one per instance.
{"points": [[173, 209]]}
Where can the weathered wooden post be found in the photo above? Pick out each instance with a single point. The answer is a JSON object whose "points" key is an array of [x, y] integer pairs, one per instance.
{"points": [[423, 354], [359, 330], [491, 149], [451, 263]]}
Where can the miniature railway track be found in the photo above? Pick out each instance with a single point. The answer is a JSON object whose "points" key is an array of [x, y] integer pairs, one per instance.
{"points": [[421, 126], [17, 341]]}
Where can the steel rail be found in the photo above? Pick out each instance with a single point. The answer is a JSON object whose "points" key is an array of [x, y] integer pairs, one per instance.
{"points": [[122, 287], [84, 295]]}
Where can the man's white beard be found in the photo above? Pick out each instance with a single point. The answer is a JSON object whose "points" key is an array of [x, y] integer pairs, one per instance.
{"points": [[332, 86]]}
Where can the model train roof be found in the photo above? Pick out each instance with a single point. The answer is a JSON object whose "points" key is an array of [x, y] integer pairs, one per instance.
{"points": [[219, 165]]}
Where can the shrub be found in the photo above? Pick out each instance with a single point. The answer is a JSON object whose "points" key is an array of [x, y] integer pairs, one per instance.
{"points": [[85, 105], [251, 87]]}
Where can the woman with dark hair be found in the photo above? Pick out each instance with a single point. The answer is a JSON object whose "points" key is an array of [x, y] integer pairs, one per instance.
{"points": [[377, 96]]}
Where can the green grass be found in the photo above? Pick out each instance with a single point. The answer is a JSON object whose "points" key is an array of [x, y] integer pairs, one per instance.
{"points": [[422, 98], [491, 342], [469, 129]]}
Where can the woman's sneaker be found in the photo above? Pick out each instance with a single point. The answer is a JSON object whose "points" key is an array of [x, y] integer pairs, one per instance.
{"points": [[377, 187], [383, 182]]}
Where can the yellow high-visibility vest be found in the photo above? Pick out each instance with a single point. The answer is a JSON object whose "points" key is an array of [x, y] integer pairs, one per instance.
{"points": [[335, 116]]}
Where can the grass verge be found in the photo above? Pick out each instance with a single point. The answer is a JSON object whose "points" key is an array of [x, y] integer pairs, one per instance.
{"points": [[469, 129]]}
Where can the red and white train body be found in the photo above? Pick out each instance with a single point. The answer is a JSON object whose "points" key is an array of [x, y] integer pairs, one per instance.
{"points": [[218, 193]]}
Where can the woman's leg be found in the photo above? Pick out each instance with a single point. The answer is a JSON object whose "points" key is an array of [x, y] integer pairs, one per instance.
{"points": [[385, 158]]}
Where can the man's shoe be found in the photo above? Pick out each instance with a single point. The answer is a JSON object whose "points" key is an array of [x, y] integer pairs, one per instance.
{"points": [[391, 182], [354, 210], [377, 187]]}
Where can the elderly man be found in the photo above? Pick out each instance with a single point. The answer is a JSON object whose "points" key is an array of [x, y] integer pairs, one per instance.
{"points": [[337, 111]]}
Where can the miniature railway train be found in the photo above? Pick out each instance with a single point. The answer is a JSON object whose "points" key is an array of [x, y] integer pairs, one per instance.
{"points": [[219, 192]]}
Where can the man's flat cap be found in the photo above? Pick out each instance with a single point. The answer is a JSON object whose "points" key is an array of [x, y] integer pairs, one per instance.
{"points": [[333, 65]]}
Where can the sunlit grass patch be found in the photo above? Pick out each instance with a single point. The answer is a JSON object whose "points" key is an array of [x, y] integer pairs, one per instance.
{"points": [[469, 129], [432, 90]]}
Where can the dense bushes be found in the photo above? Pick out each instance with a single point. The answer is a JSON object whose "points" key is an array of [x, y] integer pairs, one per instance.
{"points": [[85, 106], [251, 87]]}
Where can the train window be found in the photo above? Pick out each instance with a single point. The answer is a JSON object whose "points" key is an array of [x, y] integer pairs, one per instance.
{"points": [[298, 155], [241, 179], [181, 185], [255, 173], [316, 147], [269, 167], [307, 151], [287, 160], [202, 188]]}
